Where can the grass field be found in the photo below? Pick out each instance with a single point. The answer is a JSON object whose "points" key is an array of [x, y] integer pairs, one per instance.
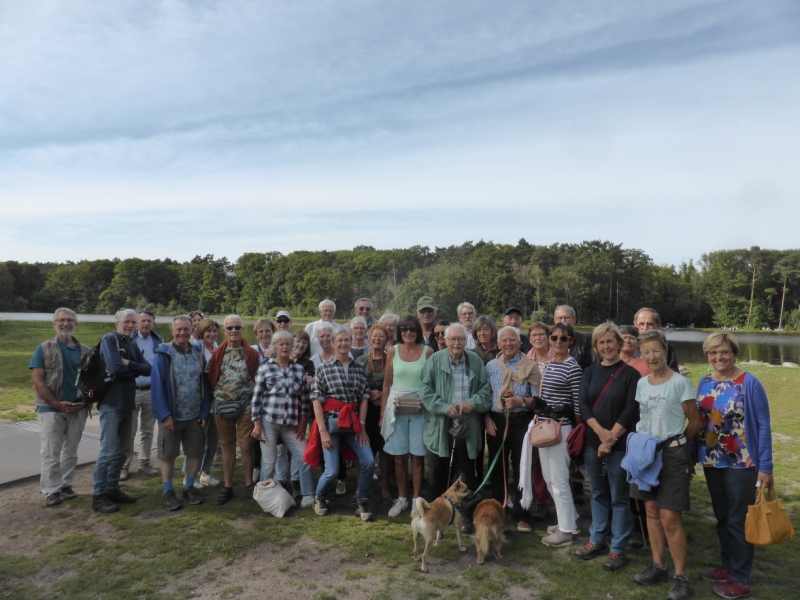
{"points": [[130, 555]]}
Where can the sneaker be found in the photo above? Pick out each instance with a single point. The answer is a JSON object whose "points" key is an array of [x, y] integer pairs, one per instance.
{"points": [[557, 539], [679, 590], [524, 527], [539, 512], [124, 474], [224, 495], [192, 496], [148, 470], [554, 529], [718, 575], [341, 489], [615, 561], [652, 574], [591, 550], [171, 501], [118, 496], [399, 506], [731, 589], [53, 499], [207, 480], [362, 510], [101, 504], [307, 502], [67, 493], [320, 506]]}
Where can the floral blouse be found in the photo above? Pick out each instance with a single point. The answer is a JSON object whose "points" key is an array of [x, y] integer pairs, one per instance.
{"points": [[722, 437]]}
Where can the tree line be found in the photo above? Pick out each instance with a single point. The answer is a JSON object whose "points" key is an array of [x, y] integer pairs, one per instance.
{"points": [[751, 288]]}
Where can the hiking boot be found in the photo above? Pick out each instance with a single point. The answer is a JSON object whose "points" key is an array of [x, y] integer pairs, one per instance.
{"points": [[148, 470], [652, 574], [192, 496], [320, 506], [615, 561], [118, 496], [101, 504], [53, 499], [399, 506], [731, 589], [718, 575], [555, 529], [362, 510], [679, 590], [171, 501], [558, 539], [341, 488], [524, 527], [224, 495], [67, 493], [591, 550], [539, 512], [124, 474]]}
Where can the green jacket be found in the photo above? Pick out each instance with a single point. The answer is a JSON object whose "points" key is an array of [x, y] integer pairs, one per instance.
{"points": [[436, 391]]}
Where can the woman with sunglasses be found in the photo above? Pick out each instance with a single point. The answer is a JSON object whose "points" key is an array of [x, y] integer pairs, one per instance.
{"points": [[403, 433], [608, 418], [666, 401], [561, 378], [438, 334]]}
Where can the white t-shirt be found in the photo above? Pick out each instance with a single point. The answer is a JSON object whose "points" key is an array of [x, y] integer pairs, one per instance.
{"points": [[661, 414], [311, 330]]}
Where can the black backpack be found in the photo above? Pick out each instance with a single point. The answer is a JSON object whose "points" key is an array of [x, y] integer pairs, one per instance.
{"points": [[93, 378]]}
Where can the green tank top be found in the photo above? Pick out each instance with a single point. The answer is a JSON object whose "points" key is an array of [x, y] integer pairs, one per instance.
{"points": [[406, 374]]}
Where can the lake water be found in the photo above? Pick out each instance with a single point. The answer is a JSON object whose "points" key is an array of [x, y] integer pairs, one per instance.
{"points": [[773, 348]]}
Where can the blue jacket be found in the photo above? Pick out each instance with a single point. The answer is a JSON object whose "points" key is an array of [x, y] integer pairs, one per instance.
{"points": [[162, 390], [642, 461], [113, 348]]}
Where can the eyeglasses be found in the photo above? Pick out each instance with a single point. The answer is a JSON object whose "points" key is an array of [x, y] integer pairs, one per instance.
{"points": [[233, 327], [457, 339], [425, 311], [63, 321], [282, 320], [720, 353], [408, 330], [560, 338], [538, 335]]}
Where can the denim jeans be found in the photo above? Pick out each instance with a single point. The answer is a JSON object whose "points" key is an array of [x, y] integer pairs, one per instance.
{"points": [[283, 465], [732, 490], [611, 509], [116, 428], [272, 432], [365, 457]]}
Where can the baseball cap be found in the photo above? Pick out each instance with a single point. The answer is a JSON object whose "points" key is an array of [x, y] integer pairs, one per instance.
{"points": [[426, 302]]}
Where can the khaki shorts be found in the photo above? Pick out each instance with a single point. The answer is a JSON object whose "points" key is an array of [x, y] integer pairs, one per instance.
{"points": [[189, 433], [230, 431]]}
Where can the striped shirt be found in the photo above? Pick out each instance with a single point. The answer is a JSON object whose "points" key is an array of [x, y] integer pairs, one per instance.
{"points": [[521, 390], [560, 384], [346, 384], [460, 380], [279, 396]]}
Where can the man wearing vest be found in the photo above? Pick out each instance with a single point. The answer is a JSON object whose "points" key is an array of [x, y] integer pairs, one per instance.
{"points": [[54, 368], [147, 340]]}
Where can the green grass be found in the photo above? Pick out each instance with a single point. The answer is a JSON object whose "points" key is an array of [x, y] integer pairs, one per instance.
{"points": [[143, 546]]}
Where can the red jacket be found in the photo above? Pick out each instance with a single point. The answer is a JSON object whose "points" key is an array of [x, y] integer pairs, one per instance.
{"points": [[251, 359]]}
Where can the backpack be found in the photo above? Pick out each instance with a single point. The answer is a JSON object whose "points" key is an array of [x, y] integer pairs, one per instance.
{"points": [[93, 378]]}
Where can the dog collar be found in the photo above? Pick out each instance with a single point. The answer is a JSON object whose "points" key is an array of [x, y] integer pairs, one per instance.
{"points": [[454, 506]]}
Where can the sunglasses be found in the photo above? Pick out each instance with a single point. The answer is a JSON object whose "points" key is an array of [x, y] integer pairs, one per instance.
{"points": [[364, 308], [561, 338], [426, 310], [282, 320], [408, 329], [438, 333], [233, 327]]}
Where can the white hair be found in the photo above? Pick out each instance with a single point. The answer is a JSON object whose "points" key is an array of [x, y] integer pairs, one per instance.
{"points": [[323, 326], [358, 319], [339, 331], [120, 315], [326, 301], [64, 309], [509, 328], [181, 318], [449, 327], [232, 317], [282, 336], [464, 305], [387, 317]]}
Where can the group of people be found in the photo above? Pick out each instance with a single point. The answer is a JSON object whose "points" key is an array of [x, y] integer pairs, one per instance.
{"points": [[418, 387]]}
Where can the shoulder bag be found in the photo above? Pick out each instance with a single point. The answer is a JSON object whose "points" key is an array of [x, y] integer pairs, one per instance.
{"points": [[577, 437]]}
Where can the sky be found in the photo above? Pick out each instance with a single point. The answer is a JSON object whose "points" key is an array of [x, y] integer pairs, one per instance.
{"points": [[158, 129]]}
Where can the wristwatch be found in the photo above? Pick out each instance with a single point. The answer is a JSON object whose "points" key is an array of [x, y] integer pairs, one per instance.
{"points": [[524, 404]]}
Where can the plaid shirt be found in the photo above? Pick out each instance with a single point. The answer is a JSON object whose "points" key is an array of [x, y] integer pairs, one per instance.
{"points": [[521, 390], [279, 396], [345, 384], [460, 380]]}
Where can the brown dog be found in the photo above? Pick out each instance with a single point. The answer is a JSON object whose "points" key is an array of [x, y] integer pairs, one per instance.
{"points": [[433, 518], [489, 520]]}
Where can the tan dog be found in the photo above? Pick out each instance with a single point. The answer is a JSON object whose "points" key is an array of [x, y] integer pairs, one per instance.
{"points": [[433, 518], [489, 520]]}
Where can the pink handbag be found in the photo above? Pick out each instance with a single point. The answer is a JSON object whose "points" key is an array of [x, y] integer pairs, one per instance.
{"points": [[545, 432]]}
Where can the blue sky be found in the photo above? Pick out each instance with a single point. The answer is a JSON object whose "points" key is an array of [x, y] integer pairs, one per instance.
{"points": [[157, 129]]}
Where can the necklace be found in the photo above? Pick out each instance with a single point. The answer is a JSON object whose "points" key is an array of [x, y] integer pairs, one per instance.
{"points": [[376, 365]]}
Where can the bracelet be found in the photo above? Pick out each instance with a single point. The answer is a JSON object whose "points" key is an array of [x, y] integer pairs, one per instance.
{"points": [[362, 422]]}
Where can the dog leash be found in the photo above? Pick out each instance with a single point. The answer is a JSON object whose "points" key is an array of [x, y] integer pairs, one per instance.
{"points": [[494, 461]]}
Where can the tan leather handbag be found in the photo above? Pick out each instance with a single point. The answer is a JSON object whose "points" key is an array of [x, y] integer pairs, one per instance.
{"points": [[545, 432]]}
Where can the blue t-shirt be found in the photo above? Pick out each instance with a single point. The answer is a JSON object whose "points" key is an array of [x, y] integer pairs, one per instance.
{"points": [[660, 407], [70, 358]]}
